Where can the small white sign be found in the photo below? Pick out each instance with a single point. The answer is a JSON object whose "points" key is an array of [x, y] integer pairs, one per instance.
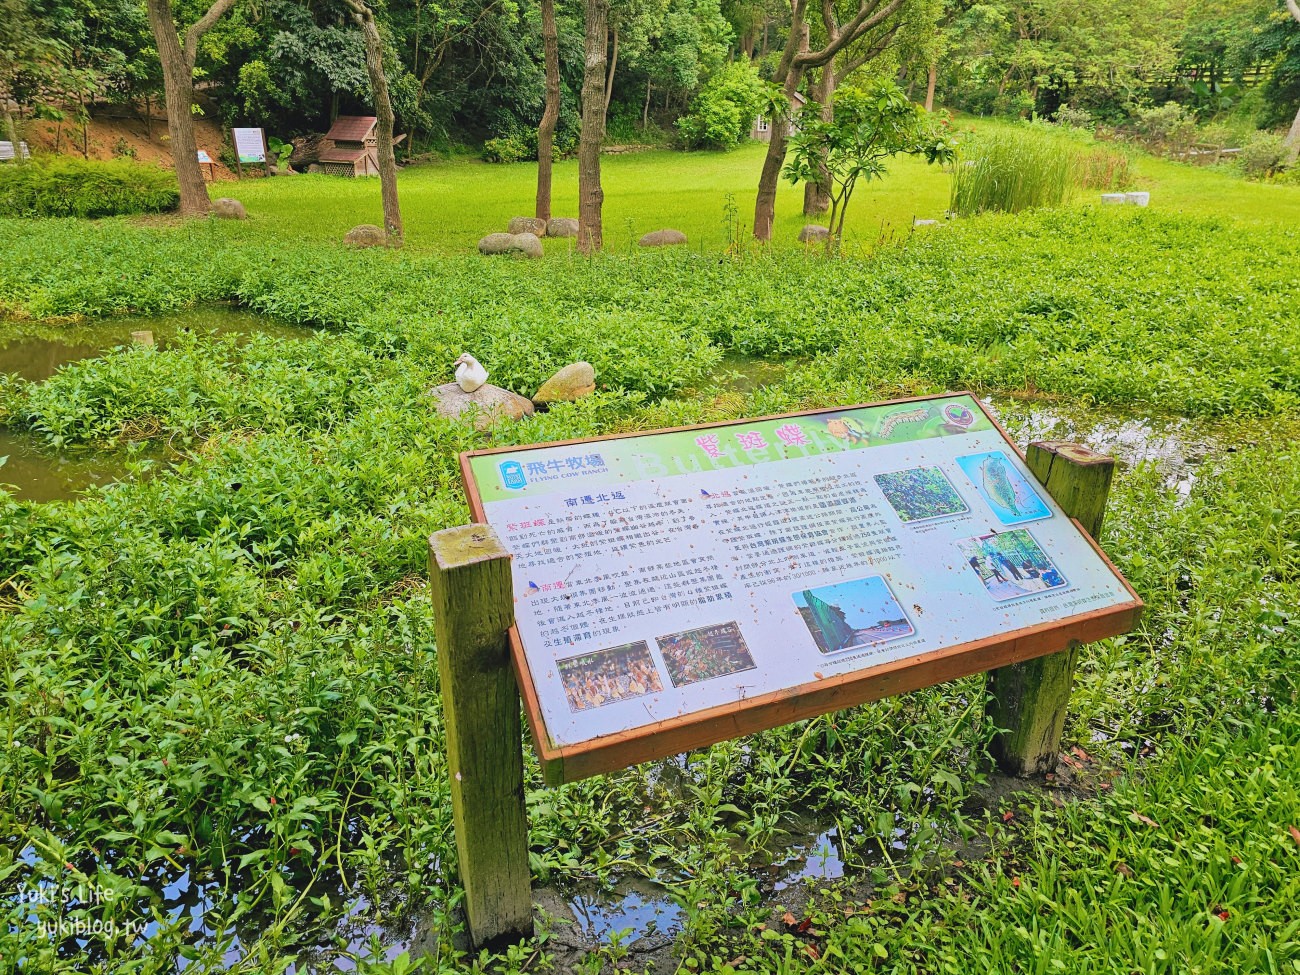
{"points": [[250, 145]]}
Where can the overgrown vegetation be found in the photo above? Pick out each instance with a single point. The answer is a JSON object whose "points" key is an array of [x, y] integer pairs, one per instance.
{"points": [[65, 187], [224, 673], [1014, 169]]}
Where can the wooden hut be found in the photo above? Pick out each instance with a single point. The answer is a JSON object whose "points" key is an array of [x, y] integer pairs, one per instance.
{"points": [[352, 146]]}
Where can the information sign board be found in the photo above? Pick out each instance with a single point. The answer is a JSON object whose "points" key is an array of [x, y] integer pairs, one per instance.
{"points": [[677, 588], [250, 145]]}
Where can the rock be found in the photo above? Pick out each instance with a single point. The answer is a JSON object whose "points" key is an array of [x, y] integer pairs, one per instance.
{"points": [[527, 225], [526, 245], [365, 235], [314, 168], [561, 227], [228, 209], [487, 405], [1112, 198], [574, 381], [663, 238], [814, 233], [520, 245], [924, 223], [1138, 199]]}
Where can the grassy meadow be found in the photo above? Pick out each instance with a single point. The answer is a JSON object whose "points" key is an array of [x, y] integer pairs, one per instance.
{"points": [[221, 727]]}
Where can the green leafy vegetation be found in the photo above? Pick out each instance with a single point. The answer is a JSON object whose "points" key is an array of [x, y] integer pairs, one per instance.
{"points": [[65, 187], [222, 673]]}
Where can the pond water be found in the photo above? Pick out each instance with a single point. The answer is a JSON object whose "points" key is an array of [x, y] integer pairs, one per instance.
{"points": [[36, 352]]}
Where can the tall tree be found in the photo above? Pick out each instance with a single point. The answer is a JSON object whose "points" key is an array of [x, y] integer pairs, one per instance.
{"points": [[796, 60], [1293, 137], [551, 114], [177, 54], [591, 197], [365, 19]]}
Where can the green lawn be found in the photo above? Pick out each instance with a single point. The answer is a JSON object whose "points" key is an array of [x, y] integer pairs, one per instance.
{"points": [[449, 206]]}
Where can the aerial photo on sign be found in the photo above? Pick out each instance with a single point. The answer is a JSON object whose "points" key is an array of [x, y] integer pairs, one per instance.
{"points": [[658, 576]]}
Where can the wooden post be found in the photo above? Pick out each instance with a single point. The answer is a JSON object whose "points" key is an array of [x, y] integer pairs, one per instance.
{"points": [[1029, 699], [473, 604]]}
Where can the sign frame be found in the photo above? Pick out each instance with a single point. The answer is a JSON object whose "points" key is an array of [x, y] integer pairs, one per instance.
{"points": [[265, 161], [684, 732]]}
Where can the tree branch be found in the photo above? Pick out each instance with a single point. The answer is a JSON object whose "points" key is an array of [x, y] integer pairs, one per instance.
{"points": [[202, 26], [871, 53], [870, 14]]}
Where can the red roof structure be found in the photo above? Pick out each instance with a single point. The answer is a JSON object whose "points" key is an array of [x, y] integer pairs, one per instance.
{"points": [[353, 128]]}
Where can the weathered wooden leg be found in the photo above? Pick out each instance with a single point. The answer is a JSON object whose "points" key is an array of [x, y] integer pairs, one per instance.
{"points": [[1029, 699], [473, 604]]}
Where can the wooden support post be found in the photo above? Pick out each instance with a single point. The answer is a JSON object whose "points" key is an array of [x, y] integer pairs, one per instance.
{"points": [[1029, 699], [473, 604]]}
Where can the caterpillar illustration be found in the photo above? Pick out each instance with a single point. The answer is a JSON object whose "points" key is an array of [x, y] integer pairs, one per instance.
{"points": [[886, 426]]}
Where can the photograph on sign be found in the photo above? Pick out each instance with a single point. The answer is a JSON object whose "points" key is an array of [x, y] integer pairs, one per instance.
{"points": [[1011, 564], [921, 494], [675, 578], [1003, 488], [854, 614]]}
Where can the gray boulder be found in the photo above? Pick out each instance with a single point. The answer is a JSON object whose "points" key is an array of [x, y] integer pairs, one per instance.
{"points": [[527, 225], [228, 209], [526, 245], [485, 407], [519, 245], [365, 235], [562, 227], [663, 238], [574, 381], [814, 233]]}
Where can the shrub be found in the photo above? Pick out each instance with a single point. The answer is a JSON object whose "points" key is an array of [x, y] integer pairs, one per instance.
{"points": [[1075, 118], [1263, 155], [1012, 171], [61, 187], [506, 149], [724, 109], [1168, 126]]}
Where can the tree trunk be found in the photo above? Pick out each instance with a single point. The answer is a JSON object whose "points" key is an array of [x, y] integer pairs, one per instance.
{"points": [[551, 114], [769, 179], [178, 96], [645, 111], [613, 66], [929, 87], [1293, 137], [1293, 141], [590, 196], [374, 44], [817, 193]]}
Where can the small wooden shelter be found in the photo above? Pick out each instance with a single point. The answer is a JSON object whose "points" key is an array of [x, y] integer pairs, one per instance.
{"points": [[352, 146], [761, 130]]}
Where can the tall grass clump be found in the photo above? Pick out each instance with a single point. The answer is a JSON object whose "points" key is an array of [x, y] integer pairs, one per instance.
{"points": [[60, 187], [1012, 171]]}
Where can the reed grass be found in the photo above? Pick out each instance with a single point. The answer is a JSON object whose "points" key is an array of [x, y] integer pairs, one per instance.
{"points": [[1012, 171]]}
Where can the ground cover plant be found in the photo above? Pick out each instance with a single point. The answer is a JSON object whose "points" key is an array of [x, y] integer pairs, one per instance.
{"points": [[220, 700], [61, 187]]}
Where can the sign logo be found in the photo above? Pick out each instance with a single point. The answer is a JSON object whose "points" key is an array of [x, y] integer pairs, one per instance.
{"points": [[512, 475]]}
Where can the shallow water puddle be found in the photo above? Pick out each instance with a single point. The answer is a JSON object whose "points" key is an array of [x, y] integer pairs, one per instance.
{"points": [[36, 473], [1173, 444], [816, 859], [636, 911], [35, 353]]}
